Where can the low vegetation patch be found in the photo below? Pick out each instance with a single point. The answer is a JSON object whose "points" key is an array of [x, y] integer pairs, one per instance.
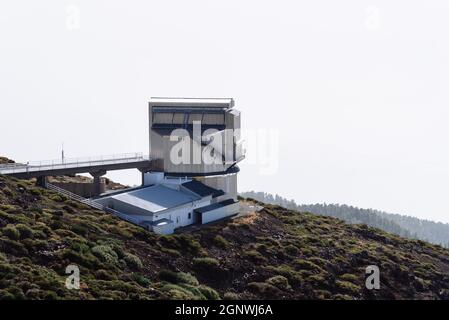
{"points": [[274, 254]]}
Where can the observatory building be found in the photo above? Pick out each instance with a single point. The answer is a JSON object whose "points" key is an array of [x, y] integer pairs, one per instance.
{"points": [[194, 147], [211, 132]]}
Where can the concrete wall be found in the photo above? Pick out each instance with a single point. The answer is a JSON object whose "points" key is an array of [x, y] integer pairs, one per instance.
{"points": [[180, 215], [85, 190], [191, 163], [164, 229], [220, 213], [150, 178], [227, 183]]}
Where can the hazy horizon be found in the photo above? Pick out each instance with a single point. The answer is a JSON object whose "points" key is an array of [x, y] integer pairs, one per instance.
{"points": [[356, 90]]}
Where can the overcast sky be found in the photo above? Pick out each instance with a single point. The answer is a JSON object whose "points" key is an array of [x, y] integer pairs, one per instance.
{"points": [[357, 90]]}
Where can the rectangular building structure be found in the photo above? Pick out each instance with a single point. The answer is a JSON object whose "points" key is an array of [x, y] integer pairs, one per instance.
{"points": [[178, 194]]}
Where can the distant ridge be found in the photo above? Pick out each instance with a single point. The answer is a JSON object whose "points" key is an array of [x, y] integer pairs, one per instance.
{"points": [[403, 225]]}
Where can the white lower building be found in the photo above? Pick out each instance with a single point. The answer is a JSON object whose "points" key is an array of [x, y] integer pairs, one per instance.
{"points": [[164, 204]]}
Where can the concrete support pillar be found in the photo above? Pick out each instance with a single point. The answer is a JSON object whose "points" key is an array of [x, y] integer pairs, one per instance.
{"points": [[142, 171], [41, 181], [97, 181]]}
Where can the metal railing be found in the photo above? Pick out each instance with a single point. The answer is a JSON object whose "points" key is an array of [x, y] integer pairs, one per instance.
{"points": [[92, 203], [70, 163], [122, 216], [73, 196]]}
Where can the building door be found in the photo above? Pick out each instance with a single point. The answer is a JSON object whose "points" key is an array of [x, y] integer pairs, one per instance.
{"points": [[198, 217]]}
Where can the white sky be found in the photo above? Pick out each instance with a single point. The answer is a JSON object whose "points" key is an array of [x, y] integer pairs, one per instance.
{"points": [[357, 89]]}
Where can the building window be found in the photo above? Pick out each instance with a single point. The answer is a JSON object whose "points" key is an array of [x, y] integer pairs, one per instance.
{"points": [[190, 215]]}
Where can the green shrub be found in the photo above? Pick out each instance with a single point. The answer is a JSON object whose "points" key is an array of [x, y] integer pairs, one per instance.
{"points": [[209, 293], [13, 247], [293, 276], [78, 229], [35, 191], [105, 254], [140, 279], [9, 208], [85, 259], [133, 261], [7, 192], [25, 231], [36, 208], [56, 224], [291, 250], [220, 242], [301, 264], [169, 276], [172, 252], [178, 277], [105, 275], [322, 294], [169, 241], [117, 247], [349, 277], [254, 256], [5, 295], [56, 197], [264, 288], [342, 297], [205, 263], [120, 285], [177, 292], [34, 294], [79, 246], [68, 209], [231, 296], [318, 280], [347, 286], [73, 204], [16, 292], [279, 282], [11, 232], [6, 268], [58, 213], [188, 243]]}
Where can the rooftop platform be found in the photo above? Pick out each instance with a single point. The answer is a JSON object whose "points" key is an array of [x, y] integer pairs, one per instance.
{"points": [[156, 198], [192, 102]]}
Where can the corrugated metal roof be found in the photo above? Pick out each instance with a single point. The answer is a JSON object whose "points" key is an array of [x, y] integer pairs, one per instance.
{"points": [[201, 189], [192, 102], [155, 198]]}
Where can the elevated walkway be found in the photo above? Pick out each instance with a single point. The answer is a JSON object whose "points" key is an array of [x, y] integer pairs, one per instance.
{"points": [[76, 165], [95, 166]]}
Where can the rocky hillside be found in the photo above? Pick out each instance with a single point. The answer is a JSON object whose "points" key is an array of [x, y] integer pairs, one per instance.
{"points": [[402, 225], [275, 253]]}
